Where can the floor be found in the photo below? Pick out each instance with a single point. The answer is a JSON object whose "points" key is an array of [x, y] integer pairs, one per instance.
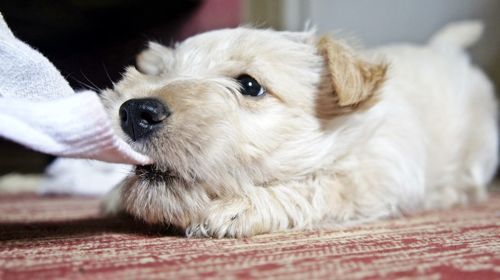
{"points": [[64, 237]]}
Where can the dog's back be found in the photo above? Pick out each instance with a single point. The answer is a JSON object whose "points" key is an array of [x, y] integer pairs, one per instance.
{"points": [[453, 103]]}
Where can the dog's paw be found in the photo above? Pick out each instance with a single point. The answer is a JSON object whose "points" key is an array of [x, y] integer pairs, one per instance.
{"points": [[234, 219]]}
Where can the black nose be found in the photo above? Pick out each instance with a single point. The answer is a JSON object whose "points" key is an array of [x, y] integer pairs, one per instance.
{"points": [[140, 117]]}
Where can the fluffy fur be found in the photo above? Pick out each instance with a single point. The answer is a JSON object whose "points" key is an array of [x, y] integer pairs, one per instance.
{"points": [[341, 135]]}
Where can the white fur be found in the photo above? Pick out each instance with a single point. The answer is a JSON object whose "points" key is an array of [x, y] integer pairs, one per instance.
{"points": [[248, 166]]}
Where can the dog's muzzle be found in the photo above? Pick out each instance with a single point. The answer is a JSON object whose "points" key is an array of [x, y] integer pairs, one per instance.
{"points": [[140, 117]]}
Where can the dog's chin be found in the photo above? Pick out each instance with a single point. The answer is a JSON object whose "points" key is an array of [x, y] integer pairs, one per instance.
{"points": [[155, 174], [159, 195]]}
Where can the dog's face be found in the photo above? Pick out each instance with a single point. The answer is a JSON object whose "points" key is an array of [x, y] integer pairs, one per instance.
{"points": [[231, 109]]}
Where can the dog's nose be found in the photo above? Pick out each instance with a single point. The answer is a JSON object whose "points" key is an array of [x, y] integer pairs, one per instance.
{"points": [[140, 117]]}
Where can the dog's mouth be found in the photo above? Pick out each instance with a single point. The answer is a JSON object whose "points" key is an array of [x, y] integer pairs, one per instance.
{"points": [[153, 173]]}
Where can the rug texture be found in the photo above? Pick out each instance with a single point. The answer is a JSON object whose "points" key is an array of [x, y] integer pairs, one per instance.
{"points": [[64, 238]]}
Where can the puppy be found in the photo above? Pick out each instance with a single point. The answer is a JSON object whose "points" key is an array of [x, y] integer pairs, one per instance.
{"points": [[255, 131]]}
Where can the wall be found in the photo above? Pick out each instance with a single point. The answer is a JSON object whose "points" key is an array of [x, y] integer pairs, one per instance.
{"points": [[379, 22]]}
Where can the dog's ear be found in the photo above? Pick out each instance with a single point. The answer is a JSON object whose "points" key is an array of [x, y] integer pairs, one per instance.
{"points": [[155, 59], [353, 80]]}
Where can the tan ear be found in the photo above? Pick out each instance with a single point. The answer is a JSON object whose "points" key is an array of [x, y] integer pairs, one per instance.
{"points": [[353, 80]]}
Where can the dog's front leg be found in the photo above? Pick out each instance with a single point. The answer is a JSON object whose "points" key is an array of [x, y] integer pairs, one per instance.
{"points": [[111, 203], [260, 210]]}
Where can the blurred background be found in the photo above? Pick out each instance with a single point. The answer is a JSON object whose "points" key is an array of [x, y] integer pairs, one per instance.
{"points": [[91, 41]]}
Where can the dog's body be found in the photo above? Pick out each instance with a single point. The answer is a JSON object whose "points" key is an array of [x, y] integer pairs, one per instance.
{"points": [[336, 136]]}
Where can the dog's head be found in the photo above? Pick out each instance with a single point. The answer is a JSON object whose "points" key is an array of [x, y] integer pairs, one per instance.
{"points": [[230, 109]]}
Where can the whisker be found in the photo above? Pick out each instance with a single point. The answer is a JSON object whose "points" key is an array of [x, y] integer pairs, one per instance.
{"points": [[85, 85], [96, 88], [107, 73]]}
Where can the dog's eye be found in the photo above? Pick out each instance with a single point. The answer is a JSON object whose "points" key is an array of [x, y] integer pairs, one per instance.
{"points": [[249, 86]]}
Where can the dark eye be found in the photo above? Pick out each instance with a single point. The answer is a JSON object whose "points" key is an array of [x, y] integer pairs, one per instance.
{"points": [[249, 86]]}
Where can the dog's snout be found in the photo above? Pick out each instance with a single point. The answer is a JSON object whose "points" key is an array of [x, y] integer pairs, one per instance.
{"points": [[140, 117]]}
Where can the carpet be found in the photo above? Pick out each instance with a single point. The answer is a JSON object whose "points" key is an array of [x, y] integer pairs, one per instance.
{"points": [[64, 238]]}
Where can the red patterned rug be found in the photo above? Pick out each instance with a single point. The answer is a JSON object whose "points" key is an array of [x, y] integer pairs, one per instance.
{"points": [[63, 237]]}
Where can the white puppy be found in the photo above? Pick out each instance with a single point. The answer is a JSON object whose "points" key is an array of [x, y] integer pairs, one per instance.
{"points": [[254, 131]]}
